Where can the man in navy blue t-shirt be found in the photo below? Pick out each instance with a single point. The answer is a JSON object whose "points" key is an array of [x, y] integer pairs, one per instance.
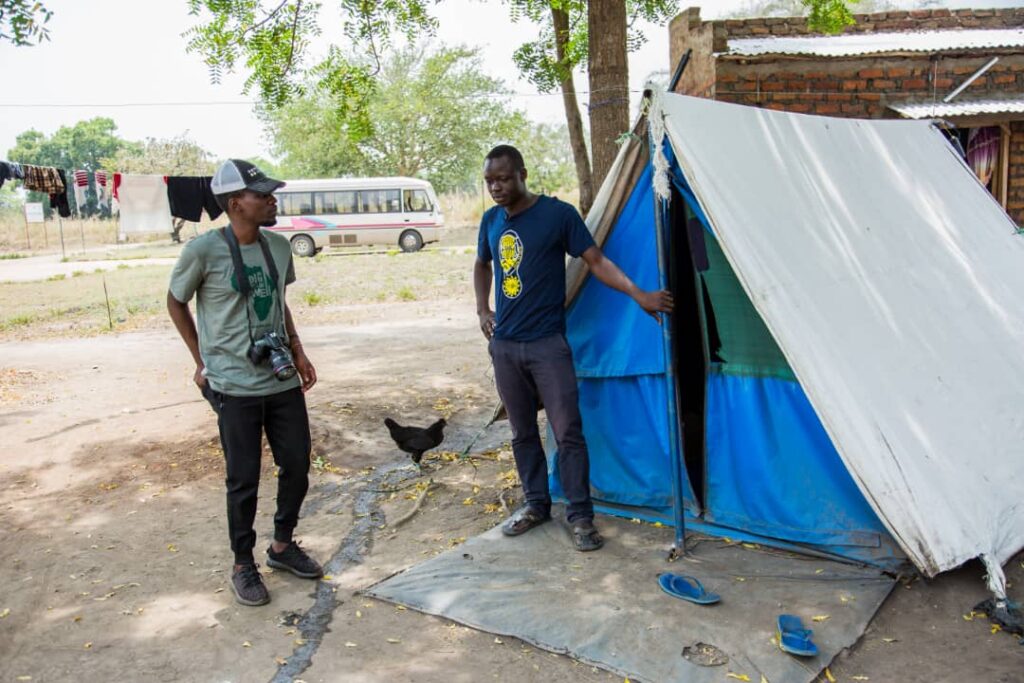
{"points": [[528, 235]]}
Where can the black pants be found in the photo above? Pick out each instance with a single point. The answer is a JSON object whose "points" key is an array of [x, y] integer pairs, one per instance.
{"points": [[525, 372], [242, 421]]}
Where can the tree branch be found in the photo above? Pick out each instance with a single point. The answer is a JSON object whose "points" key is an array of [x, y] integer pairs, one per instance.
{"points": [[295, 31], [269, 16]]}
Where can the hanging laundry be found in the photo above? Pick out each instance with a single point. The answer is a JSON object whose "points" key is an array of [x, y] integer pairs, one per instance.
{"points": [[189, 195], [81, 185], [16, 170], [102, 193], [43, 179], [59, 200], [143, 202], [5, 172]]}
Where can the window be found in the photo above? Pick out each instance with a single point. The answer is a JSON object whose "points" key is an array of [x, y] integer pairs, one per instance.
{"points": [[336, 202], [380, 201], [294, 203], [417, 200]]}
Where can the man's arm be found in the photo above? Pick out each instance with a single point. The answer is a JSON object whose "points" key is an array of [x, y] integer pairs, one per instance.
{"points": [[483, 275], [307, 373], [181, 316], [605, 270]]}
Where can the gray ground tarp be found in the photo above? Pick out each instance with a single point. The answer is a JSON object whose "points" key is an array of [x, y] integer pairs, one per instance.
{"points": [[606, 608]]}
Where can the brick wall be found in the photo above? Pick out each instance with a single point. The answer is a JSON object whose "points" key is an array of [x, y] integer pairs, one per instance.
{"points": [[862, 87], [1015, 194], [917, 20], [705, 38], [687, 31]]}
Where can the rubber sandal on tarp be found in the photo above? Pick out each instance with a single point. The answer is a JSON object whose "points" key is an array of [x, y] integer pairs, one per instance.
{"points": [[524, 520], [794, 638], [686, 588]]}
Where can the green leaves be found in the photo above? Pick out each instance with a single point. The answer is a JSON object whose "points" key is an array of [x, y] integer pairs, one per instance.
{"points": [[429, 113], [23, 22], [828, 16]]}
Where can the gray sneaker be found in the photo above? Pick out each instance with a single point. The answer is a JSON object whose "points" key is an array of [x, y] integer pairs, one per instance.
{"points": [[248, 586], [295, 560]]}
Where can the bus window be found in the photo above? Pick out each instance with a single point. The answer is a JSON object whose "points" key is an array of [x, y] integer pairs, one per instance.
{"points": [[294, 203], [336, 202], [416, 200], [380, 201]]}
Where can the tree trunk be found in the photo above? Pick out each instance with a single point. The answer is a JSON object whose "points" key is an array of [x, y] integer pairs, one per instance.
{"points": [[577, 138], [609, 82]]}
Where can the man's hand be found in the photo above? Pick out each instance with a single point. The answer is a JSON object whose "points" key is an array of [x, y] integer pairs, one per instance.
{"points": [[200, 376], [487, 323], [307, 373], [655, 302]]}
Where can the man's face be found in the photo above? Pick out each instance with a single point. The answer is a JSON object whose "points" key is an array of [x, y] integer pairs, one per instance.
{"points": [[257, 207], [504, 182]]}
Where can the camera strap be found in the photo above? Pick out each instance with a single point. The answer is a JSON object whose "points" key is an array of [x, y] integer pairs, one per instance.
{"points": [[236, 258], [243, 281]]}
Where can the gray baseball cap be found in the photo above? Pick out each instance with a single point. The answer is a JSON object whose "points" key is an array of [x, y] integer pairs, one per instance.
{"points": [[236, 174]]}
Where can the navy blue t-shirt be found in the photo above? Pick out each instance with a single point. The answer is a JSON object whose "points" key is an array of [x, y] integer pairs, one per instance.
{"points": [[529, 274]]}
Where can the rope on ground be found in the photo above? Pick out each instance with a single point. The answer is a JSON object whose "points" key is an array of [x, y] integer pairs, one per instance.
{"points": [[415, 508]]}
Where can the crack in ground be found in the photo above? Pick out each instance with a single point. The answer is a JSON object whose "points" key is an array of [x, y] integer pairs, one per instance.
{"points": [[368, 516]]}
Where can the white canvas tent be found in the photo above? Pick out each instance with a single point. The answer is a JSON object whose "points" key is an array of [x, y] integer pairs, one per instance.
{"points": [[893, 283]]}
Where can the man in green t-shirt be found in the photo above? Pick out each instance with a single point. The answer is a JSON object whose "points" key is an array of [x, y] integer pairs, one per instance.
{"points": [[243, 365]]}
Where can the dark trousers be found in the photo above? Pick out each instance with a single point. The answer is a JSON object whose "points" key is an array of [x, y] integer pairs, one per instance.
{"points": [[242, 421], [542, 370]]}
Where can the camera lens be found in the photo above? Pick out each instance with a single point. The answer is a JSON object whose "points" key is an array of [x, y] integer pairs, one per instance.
{"points": [[281, 362]]}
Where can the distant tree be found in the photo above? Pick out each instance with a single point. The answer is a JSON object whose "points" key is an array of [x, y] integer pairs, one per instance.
{"points": [[84, 146], [548, 157], [172, 156], [435, 114], [23, 22]]}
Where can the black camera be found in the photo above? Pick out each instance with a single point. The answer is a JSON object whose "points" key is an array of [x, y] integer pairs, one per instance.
{"points": [[271, 346]]}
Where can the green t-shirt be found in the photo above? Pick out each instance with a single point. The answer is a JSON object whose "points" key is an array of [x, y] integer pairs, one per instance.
{"points": [[204, 269]]}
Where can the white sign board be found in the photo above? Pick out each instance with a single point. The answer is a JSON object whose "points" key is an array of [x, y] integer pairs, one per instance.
{"points": [[34, 212]]}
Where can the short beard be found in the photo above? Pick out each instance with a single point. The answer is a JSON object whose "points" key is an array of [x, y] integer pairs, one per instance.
{"points": [[268, 223]]}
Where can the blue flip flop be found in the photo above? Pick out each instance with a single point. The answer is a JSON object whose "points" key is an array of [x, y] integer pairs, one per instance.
{"points": [[686, 588], [794, 638]]}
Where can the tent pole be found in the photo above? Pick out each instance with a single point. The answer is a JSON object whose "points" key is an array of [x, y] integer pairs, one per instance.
{"points": [[674, 440]]}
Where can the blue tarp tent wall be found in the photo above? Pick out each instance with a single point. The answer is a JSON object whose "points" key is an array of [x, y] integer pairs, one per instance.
{"points": [[771, 473]]}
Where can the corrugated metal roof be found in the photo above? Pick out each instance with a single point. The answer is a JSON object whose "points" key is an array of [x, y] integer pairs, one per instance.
{"points": [[876, 43], [943, 110]]}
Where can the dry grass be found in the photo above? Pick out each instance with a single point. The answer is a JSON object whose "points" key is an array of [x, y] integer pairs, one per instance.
{"points": [[326, 288], [78, 234]]}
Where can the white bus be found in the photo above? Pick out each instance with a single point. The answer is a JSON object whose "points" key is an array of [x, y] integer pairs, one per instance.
{"points": [[402, 212]]}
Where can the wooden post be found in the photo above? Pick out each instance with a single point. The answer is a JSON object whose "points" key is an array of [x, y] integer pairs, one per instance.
{"points": [[81, 228], [60, 226], [28, 239], [1004, 163], [110, 318]]}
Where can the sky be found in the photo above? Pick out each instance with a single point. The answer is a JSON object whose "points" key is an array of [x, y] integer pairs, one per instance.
{"points": [[126, 59]]}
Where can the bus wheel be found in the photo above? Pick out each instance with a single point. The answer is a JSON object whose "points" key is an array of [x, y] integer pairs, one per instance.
{"points": [[410, 241], [303, 245]]}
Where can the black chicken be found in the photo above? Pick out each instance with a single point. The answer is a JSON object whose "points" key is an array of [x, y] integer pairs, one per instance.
{"points": [[416, 440]]}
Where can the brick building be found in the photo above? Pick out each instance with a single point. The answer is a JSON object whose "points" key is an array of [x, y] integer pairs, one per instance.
{"points": [[889, 65]]}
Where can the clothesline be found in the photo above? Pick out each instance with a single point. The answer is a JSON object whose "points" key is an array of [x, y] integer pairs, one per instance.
{"points": [[145, 203]]}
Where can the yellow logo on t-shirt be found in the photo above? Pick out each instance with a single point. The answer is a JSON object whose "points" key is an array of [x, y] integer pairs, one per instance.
{"points": [[510, 250]]}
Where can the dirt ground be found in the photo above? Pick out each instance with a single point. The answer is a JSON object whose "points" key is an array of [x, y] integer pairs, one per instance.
{"points": [[115, 557]]}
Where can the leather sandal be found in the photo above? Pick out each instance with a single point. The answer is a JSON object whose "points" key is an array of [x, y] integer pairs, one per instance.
{"points": [[585, 536], [524, 520]]}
